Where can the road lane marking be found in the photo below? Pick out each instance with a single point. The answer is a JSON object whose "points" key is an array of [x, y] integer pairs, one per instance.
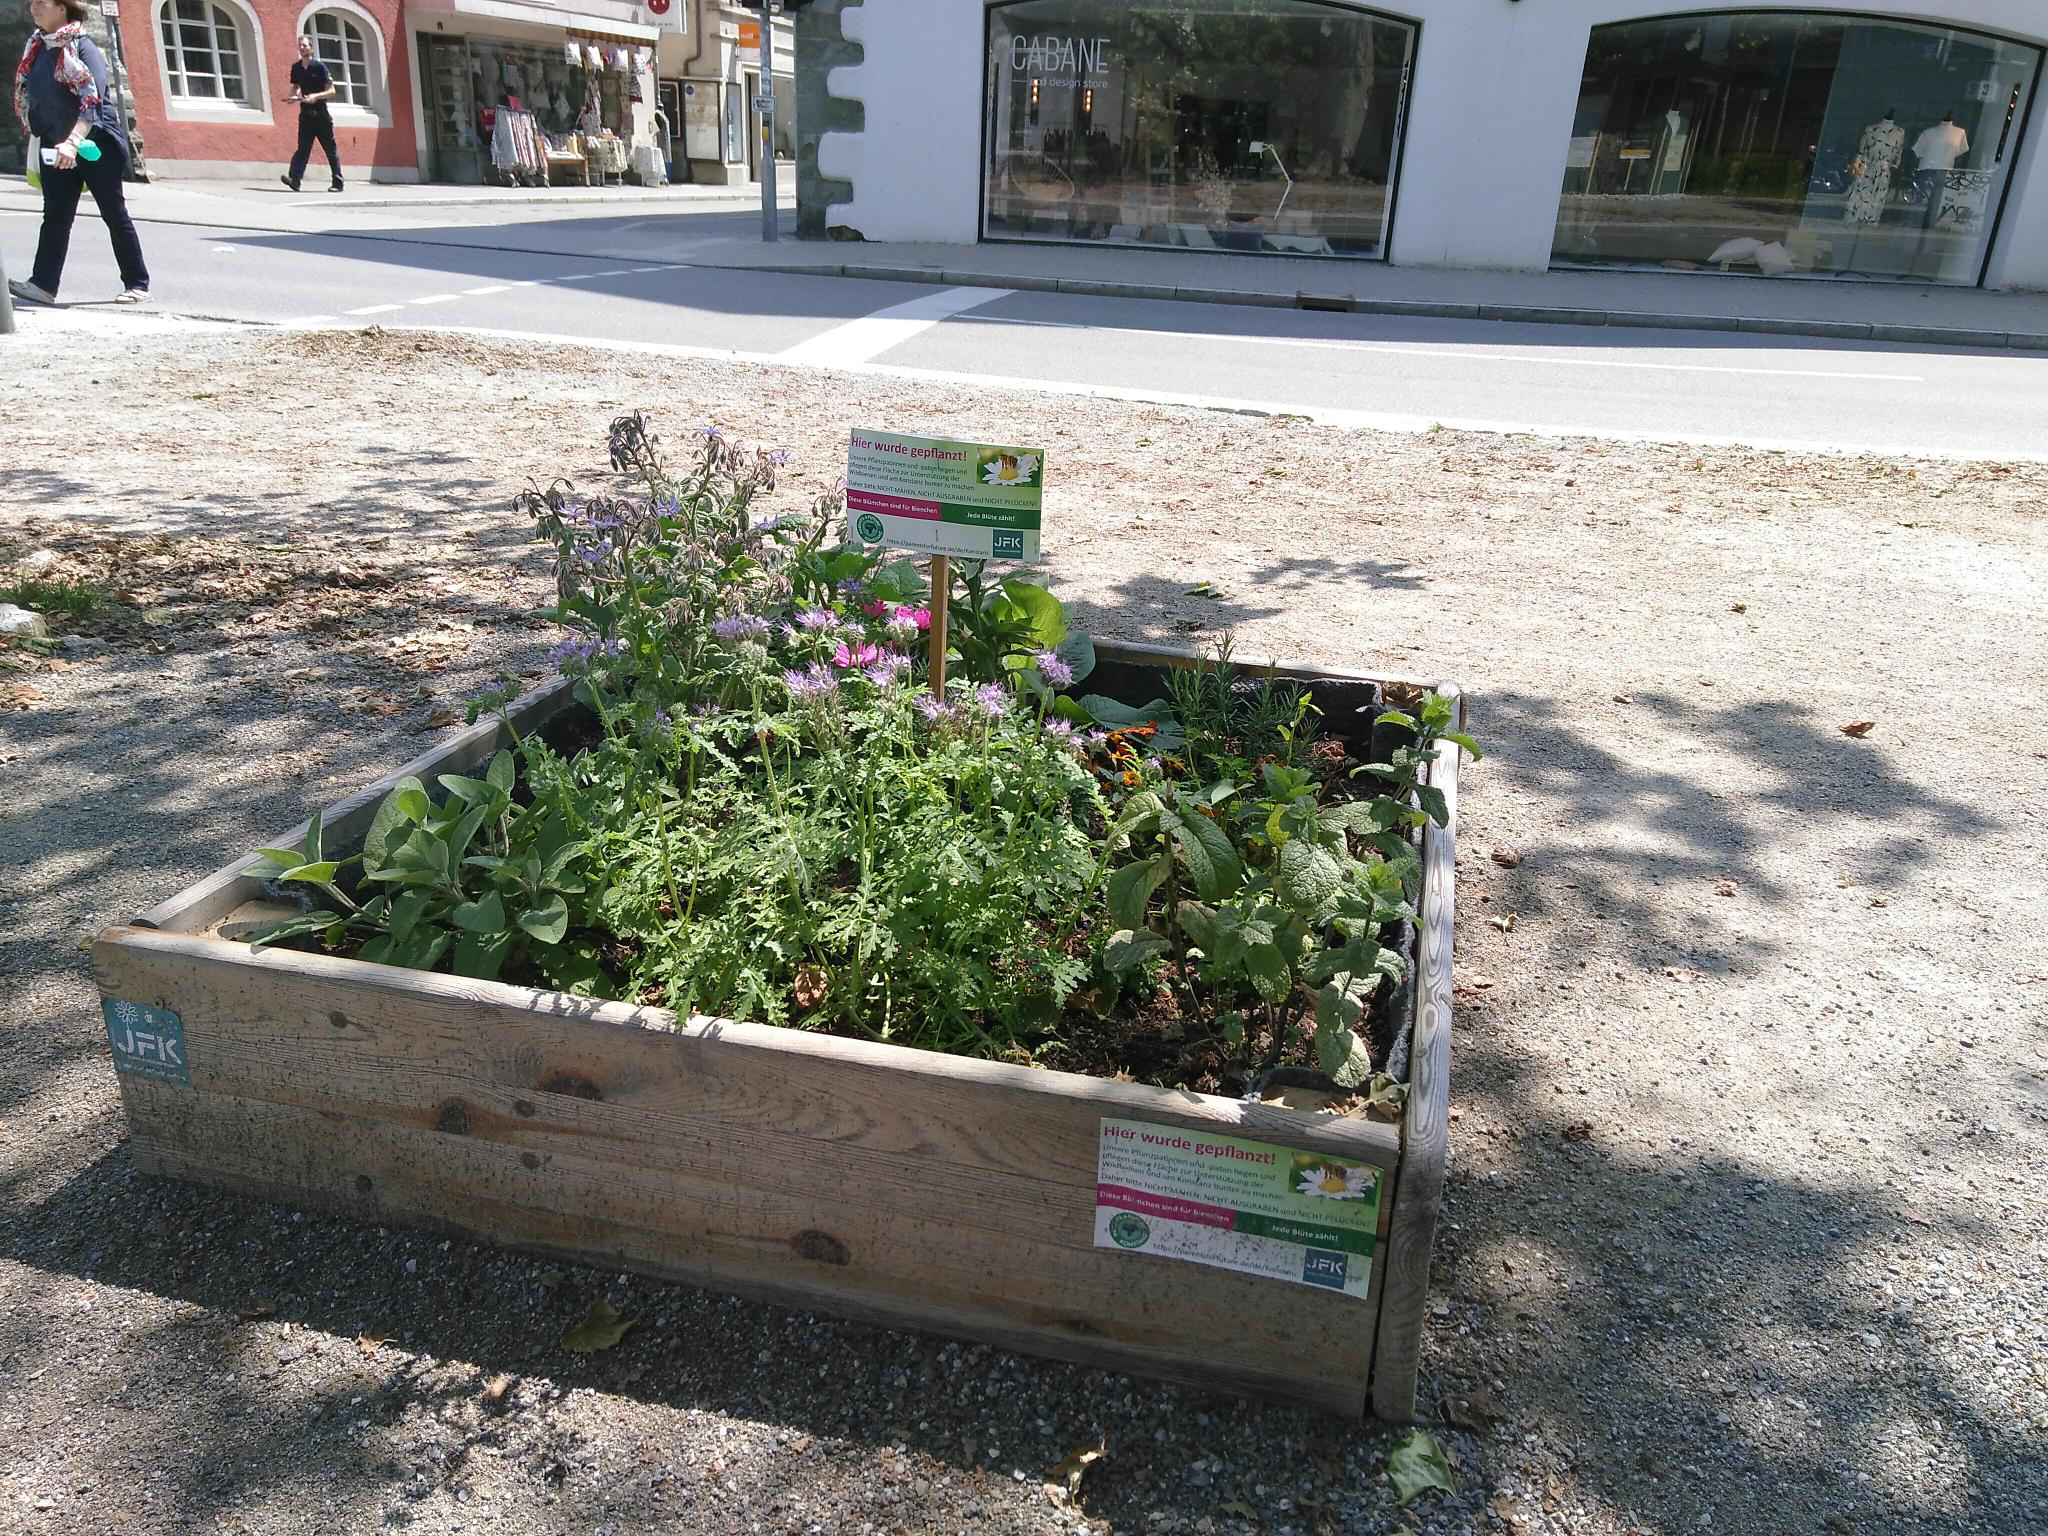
{"points": [[1397, 350], [1331, 416], [859, 341], [488, 288], [435, 298], [375, 309]]}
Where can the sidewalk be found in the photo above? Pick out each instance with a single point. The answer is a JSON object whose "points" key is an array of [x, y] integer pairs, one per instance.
{"points": [[1696, 301]]}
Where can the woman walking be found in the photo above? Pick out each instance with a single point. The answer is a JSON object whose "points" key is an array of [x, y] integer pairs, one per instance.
{"points": [[60, 95]]}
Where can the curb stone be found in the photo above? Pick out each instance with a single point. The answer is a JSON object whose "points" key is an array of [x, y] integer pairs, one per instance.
{"points": [[1522, 314]]}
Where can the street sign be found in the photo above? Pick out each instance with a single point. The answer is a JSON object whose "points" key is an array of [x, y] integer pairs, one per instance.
{"points": [[109, 8], [972, 500], [765, 105]]}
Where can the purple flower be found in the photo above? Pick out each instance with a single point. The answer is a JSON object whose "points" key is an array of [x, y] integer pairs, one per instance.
{"points": [[1053, 668], [577, 649], [813, 682], [890, 667], [933, 709], [741, 626], [1059, 730], [817, 620], [991, 698]]}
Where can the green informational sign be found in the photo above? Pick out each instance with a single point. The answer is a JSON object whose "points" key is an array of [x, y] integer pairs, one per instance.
{"points": [[974, 500], [146, 1041], [1251, 1206]]}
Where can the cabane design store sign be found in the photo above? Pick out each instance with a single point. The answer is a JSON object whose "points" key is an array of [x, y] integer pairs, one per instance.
{"points": [[1080, 58], [937, 497]]}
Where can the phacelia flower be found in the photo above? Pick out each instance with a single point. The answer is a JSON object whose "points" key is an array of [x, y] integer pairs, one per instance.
{"points": [[934, 709], [816, 620], [1053, 668], [889, 668], [741, 626], [812, 683], [991, 698]]}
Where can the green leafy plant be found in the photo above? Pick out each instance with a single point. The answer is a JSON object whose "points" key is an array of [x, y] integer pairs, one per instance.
{"points": [[474, 877], [1276, 901]]}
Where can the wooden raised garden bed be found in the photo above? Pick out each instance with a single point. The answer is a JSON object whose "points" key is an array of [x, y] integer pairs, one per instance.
{"points": [[883, 1183]]}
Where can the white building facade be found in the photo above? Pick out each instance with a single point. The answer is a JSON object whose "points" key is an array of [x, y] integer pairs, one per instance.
{"points": [[1893, 141]]}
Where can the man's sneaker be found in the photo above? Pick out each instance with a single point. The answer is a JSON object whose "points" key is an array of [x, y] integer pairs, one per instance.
{"points": [[289, 182], [30, 292], [132, 296], [335, 188]]}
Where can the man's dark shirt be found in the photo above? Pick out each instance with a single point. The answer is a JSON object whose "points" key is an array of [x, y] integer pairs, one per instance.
{"points": [[310, 77]]}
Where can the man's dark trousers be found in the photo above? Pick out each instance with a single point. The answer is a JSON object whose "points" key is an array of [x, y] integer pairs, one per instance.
{"points": [[315, 125]]}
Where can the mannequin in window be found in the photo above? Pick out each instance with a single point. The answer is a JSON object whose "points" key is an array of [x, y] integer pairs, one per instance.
{"points": [[1937, 150], [1870, 176]]}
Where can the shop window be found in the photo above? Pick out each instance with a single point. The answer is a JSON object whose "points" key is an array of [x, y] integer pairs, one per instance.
{"points": [[343, 42], [1781, 144], [1248, 125], [203, 51]]}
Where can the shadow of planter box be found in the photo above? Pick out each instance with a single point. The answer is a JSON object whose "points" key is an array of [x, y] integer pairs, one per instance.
{"points": [[892, 1185]]}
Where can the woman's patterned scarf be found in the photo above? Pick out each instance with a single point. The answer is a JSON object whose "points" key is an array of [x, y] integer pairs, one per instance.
{"points": [[71, 70]]}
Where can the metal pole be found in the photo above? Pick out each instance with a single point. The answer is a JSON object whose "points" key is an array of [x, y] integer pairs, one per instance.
{"points": [[766, 98]]}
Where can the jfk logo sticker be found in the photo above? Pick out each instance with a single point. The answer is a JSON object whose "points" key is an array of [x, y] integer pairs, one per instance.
{"points": [[149, 1042]]}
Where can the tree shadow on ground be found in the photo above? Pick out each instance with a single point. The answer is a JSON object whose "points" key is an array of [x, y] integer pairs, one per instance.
{"points": [[250, 1282], [1683, 1326], [1765, 771]]}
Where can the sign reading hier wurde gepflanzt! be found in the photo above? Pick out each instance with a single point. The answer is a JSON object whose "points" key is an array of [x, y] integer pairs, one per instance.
{"points": [[974, 500], [1244, 1205]]}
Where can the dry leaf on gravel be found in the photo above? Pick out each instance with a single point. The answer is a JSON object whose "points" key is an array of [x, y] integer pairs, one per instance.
{"points": [[1506, 858], [1858, 728], [602, 1328], [1063, 1482], [496, 1387]]}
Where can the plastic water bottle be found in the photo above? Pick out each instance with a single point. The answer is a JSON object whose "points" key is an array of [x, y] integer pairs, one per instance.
{"points": [[86, 151]]}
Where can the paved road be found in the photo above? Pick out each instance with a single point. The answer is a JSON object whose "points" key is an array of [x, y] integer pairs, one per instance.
{"points": [[474, 268]]}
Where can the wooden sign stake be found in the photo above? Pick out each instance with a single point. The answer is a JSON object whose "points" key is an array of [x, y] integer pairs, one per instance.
{"points": [[942, 590]]}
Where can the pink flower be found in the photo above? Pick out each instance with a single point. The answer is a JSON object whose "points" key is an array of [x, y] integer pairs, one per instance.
{"points": [[875, 608], [921, 617], [856, 656]]}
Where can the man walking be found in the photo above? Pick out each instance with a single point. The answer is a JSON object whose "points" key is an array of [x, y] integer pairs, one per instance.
{"points": [[312, 85]]}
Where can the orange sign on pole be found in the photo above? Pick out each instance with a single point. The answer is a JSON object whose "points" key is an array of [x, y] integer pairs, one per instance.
{"points": [[750, 36]]}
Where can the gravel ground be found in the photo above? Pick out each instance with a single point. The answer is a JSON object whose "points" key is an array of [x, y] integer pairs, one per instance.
{"points": [[1744, 1229]]}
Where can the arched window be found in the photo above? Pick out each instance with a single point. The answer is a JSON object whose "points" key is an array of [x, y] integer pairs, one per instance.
{"points": [[338, 42], [203, 51]]}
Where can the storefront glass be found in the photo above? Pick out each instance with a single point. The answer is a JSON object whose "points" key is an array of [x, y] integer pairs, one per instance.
{"points": [[1784, 143], [1249, 125], [470, 78]]}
